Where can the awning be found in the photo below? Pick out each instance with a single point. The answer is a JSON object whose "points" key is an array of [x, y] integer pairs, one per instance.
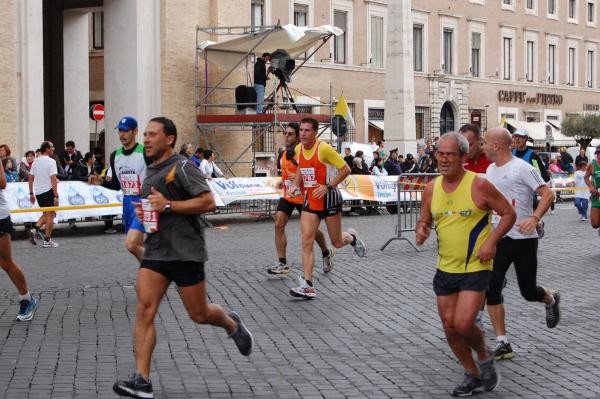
{"points": [[377, 125], [537, 132], [293, 39]]}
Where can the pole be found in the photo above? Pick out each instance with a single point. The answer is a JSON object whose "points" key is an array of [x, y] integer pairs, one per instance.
{"points": [[96, 134]]}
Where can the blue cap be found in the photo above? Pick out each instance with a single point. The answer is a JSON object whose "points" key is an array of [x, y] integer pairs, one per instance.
{"points": [[127, 123]]}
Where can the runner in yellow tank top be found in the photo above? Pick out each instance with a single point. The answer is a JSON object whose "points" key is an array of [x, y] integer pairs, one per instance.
{"points": [[460, 204], [461, 226]]}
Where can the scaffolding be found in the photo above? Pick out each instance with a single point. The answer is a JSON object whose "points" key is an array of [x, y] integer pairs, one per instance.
{"points": [[217, 118]]}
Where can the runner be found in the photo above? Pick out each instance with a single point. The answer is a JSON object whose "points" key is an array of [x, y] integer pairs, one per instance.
{"points": [[592, 179], [322, 200], [288, 164], [460, 204], [175, 252], [28, 304], [476, 160], [518, 181], [127, 172], [43, 187]]}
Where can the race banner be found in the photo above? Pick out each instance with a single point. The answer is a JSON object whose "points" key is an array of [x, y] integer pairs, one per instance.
{"points": [[235, 189]]}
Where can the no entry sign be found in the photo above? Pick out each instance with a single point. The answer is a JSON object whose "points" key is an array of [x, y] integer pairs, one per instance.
{"points": [[97, 112]]}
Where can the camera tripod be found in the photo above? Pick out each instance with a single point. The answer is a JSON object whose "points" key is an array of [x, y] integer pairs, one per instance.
{"points": [[285, 92]]}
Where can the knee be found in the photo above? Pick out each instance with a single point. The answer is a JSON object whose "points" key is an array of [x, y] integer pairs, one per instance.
{"points": [[449, 328], [131, 245], [307, 243], [280, 225], [145, 311], [463, 327], [533, 295], [493, 298]]}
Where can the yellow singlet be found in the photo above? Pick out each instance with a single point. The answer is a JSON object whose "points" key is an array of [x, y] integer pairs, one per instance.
{"points": [[461, 227]]}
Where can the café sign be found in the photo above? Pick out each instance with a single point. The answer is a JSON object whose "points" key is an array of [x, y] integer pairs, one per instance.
{"points": [[521, 97]]}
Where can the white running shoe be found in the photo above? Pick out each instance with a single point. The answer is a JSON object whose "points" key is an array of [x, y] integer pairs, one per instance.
{"points": [[49, 244], [359, 248], [328, 261]]}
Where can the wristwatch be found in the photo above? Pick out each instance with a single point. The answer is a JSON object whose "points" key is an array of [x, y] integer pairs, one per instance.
{"points": [[167, 208], [329, 187]]}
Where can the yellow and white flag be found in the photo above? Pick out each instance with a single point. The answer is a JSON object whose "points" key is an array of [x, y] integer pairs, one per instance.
{"points": [[343, 110]]}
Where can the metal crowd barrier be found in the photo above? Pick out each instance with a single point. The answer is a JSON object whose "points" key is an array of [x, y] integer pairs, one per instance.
{"points": [[410, 186]]}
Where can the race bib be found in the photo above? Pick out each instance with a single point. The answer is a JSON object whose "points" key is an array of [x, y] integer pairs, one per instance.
{"points": [[308, 177], [150, 217], [130, 183]]}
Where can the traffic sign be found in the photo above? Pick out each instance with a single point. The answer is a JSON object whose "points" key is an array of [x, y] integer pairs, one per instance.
{"points": [[97, 112]]}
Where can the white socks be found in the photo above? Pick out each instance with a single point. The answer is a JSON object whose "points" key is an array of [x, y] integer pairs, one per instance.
{"points": [[502, 338], [26, 297]]}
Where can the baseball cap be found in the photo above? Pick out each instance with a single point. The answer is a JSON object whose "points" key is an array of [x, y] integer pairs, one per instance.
{"points": [[127, 123], [521, 132]]}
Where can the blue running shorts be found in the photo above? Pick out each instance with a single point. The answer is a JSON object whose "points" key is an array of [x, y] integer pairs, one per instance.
{"points": [[130, 221]]}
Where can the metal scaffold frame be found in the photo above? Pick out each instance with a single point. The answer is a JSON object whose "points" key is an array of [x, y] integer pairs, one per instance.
{"points": [[262, 126]]}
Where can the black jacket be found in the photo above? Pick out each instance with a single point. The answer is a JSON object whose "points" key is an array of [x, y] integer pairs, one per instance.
{"points": [[81, 172], [260, 72]]}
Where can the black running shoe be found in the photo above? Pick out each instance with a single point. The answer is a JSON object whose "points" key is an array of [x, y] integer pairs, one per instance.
{"points": [[503, 351], [489, 374], [241, 335], [135, 387], [553, 312], [469, 385]]}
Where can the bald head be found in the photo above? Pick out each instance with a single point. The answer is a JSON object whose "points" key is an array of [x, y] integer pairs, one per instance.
{"points": [[500, 135], [497, 144]]}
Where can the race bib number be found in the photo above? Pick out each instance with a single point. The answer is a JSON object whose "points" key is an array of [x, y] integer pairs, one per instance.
{"points": [[308, 177], [150, 217], [130, 183]]}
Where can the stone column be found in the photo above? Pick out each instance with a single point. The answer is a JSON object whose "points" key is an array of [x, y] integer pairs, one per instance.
{"points": [[132, 75], [30, 77], [76, 78], [400, 129]]}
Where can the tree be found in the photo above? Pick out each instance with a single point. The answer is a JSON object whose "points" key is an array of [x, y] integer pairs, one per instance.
{"points": [[583, 128]]}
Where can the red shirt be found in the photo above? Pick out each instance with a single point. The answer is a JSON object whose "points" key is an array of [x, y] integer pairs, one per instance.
{"points": [[478, 167]]}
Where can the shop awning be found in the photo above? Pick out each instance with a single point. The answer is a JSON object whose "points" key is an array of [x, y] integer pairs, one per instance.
{"points": [[295, 40], [537, 132], [377, 125]]}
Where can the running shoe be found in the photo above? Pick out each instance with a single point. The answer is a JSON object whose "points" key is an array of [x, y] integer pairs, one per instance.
{"points": [[503, 351], [469, 385], [540, 229], [135, 387], [488, 373], [49, 244], [359, 248], [328, 261], [303, 291], [32, 234], [110, 230], [553, 312], [241, 335], [281, 268], [27, 309]]}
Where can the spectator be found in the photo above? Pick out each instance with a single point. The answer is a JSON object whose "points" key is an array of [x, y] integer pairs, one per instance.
{"points": [[207, 166], [25, 165], [392, 165], [99, 163], [198, 156], [365, 167], [581, 157], [10, 171], [429, 166], [582, 191], [84, 170], [555, 165], [38, 152], [5, 153], [565, 161], [378, 169], [348, 156], [421, 158], [357, 167], [60, 172], [409, 165], [429, 150], [260, 80], [69, 158], [381, 152], [187, 150]]}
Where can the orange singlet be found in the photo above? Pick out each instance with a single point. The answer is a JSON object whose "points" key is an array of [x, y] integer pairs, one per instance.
{"points": [[287, 168], [314, 173]]}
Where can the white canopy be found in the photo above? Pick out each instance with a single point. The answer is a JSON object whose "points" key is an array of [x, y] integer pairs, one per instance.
{"points": [[293, 39], [537, 131]]}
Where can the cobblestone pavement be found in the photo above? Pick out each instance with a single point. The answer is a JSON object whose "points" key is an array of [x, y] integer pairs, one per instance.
{"points": [[373, 332]]}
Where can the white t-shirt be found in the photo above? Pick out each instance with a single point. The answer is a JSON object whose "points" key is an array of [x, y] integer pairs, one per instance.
{"points": [[43, 167], [517, 180], [584, 191], [4, 211]]}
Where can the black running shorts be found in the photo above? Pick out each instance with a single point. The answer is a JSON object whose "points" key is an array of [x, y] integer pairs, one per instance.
{"points": [[333, 204], [182, 273], [288, 207], [451, 283], [6, 226], [45, 199]]}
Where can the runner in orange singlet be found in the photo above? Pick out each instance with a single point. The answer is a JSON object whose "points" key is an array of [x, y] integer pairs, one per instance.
{"points": [[321, 170], [288, 165]]}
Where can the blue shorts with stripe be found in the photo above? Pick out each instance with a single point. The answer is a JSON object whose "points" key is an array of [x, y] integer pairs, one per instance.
{"points": [[130, 221]]}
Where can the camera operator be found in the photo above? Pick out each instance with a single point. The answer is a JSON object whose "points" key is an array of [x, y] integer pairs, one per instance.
{"points": [[260, 80]]}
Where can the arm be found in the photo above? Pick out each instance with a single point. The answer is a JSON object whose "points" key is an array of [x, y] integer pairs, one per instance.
{"points": [[495, 201], [54, 183], [343, 172], [30, 181], [588, 173], [218, 171], [2, 177], [423, 229], [540, 166], [547, 198]]}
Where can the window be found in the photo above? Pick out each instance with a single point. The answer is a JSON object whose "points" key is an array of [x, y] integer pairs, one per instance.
{"points": [[590, 68], [98, 22], [507, 2], [552, 7], [377, 54], [572, 9], [551, 63], [507, 58], [591, 12], [257, 8], [448, 35], [529, 4], [475, 53], [300, 15], [340, 19], [571, 67], [418, 48], [530, 62]]}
